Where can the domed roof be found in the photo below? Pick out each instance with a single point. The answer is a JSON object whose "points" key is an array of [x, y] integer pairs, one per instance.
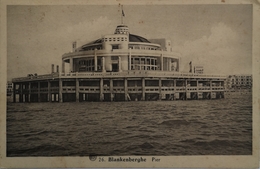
{"points": [[136, 38], [94, 42], [121, 29], [91, 43], [132, 38]]}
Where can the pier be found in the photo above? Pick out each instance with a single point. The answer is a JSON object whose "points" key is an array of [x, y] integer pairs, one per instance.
{"points": [[119, 67], [118, 86]]}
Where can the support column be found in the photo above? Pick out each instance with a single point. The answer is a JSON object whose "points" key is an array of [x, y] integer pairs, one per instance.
{"points": [[197, 81], [60, 91], [26, 98], [161, 62], [29, 91], [103, 64], [101, 89], [49, 91], [71, 65], [14, 92], [143, 89], [145, 63], [174, 85], [111, 89], [210, 84], [95, 60], [178, 65], [224, 87], [39, 92], [169, 64], [77, 90], [63, 67], [160, 88], [57, 69], [186, 88], [119, 64], [126, 89], [129, 62], [21, 93]]}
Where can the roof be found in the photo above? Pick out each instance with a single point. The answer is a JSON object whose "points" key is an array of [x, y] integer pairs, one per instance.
{"points": [[132, 38], [136, 38]]}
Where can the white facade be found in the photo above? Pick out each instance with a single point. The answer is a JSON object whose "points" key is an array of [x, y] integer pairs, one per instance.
{"points": [[122, 52]]}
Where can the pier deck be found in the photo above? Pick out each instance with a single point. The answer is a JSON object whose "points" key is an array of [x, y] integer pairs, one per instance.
{"points": [[118, 86]]}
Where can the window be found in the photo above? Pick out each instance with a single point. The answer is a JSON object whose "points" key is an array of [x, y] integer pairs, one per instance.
{"points": [[115, 46]]}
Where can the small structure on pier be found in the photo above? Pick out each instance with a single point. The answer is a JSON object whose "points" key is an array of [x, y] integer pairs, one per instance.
{"points": [[119, 67]]}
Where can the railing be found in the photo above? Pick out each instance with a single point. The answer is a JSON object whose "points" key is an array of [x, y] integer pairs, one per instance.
{"points": [[167, 88], [106, 88], [89, 88], [118, 89], [180, 88], [123, 74], [54, 89], [204, 88], [131, 73], [69, 88], [192, 88], [150, 89], [134, 89], [37, 77], [218, 88]]}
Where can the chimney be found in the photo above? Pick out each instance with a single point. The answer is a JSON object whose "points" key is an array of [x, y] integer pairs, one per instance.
{"points": [[190, 66], [74, 46], [52, 68], [57, 68]]}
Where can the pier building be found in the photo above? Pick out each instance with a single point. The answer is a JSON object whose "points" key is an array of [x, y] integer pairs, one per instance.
{"points": [[239, 81], [9, 88], [119, 67]]}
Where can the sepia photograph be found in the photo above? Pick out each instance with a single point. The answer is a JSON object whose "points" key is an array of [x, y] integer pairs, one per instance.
{"points": [[126, 82]]}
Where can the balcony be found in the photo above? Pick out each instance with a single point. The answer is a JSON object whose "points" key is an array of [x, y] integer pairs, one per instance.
{"points": [[120, 52], [124, 74]]}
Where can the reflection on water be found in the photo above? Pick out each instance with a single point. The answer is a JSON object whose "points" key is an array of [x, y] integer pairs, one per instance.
{"points": [[198, 127]]}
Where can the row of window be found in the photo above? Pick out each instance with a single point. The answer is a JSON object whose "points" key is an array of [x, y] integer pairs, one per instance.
{"points": [[134, 60], [142, 67], [243, 83], [89, 62], [121, 31], [241, 80], [143, 47], [118, 39], [87, 68], [117, 47], [243, 76], [144, 60]]}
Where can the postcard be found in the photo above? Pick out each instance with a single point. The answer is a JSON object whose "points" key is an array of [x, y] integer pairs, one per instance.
{"points": [[138, 84]]}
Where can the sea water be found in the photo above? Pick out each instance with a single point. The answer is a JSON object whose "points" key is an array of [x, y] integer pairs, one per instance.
{"points": [[196, 127]]}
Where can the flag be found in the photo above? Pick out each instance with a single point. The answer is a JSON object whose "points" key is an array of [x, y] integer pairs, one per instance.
{"points": [[123, 14]]}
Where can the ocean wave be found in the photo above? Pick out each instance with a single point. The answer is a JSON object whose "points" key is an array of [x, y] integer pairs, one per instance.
{"points": [[174, 122]]}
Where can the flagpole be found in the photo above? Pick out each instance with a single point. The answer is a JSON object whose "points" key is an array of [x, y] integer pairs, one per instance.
{"points": [[122, 22]]}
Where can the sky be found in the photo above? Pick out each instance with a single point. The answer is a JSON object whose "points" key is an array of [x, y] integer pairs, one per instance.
{"points": [[219, 37]]}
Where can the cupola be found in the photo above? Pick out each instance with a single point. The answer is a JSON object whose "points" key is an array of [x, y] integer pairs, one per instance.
{"points": [[122, 29]]}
